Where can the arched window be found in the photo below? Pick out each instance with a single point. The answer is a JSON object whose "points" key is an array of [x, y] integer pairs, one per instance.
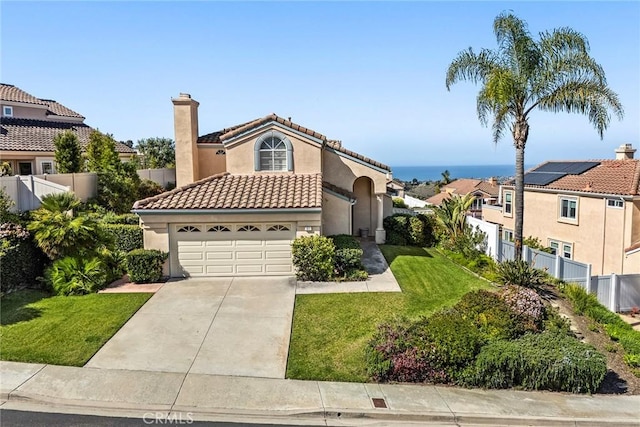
{"points": [[273, 152]]}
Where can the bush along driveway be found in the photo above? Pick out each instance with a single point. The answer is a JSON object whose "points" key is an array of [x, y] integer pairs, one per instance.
{"points": [[61, 330], [330, 331]]}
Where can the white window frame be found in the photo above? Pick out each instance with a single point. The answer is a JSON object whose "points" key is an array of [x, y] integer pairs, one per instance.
{"points": [[568, 219], [7, 111], [284, 153], [615, 203], [507, 235], [561, 248], [49, 162], [508, 203]]}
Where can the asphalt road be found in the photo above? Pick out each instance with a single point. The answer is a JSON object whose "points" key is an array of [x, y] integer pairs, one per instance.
{"points": [[10, 418]]}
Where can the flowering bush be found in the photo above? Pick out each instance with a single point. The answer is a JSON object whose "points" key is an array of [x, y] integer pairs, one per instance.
{"points": [[526, 304]]}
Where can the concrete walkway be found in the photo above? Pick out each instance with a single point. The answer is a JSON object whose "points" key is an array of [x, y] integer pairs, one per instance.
{"points": [[172, 395], [381, 279], [224, 326]]}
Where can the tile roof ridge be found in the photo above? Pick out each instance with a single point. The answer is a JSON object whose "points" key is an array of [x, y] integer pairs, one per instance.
{"points": [[142, 202]]}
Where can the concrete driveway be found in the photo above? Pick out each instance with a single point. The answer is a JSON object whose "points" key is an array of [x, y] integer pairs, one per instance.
{"points": [[221, 326]]}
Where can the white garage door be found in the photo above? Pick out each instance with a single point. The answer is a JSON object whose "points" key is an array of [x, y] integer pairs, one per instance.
{"points": [[232, 249]]}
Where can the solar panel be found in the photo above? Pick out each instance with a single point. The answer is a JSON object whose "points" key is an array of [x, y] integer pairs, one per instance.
{"points": [[572, 168], [542, 178]]}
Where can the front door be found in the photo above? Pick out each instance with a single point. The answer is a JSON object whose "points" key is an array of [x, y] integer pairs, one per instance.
{"points": [[25, 168]]}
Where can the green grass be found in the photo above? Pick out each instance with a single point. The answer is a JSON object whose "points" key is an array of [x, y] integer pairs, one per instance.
{"points": [[35, 327], [330, 331]]}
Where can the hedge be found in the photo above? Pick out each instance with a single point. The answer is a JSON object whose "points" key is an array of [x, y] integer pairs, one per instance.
{"points": [[21, 262], [409, 230], [145, 265], [126, 237], [313, 257], [348, 255], [546, 361]]}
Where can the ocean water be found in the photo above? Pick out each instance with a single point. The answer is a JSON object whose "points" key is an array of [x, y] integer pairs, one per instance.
{"points": [[431, 173]]}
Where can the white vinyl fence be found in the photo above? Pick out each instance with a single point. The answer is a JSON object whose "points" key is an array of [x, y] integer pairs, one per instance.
{"points": [[161, 176], [619, 293], [27, 191]]}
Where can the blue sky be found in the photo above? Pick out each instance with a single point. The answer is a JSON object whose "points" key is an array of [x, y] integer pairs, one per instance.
{"points": [[369, 73]]}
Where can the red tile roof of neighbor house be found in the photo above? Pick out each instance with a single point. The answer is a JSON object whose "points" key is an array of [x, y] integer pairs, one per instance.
{"points": [[464, 186], [225, 191], [620, 177], [38, 135], [14, 94], [227, 133]]}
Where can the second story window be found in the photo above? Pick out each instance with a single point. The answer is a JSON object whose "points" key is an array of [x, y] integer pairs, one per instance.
{"points": [[273, 152], [273, 155], [7, 111], [508, 203], [568, 208]]}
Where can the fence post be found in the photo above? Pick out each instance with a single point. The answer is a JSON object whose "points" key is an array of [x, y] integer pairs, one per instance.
{"points": [[32, 185], [588, 286], [499, 249], [613, 300], [556, 270]]}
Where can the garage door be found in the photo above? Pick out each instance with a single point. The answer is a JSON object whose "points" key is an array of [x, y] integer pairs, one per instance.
{"points": [[232, 249]]}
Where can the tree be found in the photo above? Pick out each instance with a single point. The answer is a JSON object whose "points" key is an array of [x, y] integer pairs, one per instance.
{"points": [[446, 179], [157, 152], [68, 154], [118, 181], [554, 73], [451, 215]]}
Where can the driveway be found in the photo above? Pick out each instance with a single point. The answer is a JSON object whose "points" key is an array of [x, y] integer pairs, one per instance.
{"points": [[220, 326]]}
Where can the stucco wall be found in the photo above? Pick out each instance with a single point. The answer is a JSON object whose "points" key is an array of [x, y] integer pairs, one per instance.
{"points": [[210, 163], [598, 238], [28, 112], [336, 213], [307, 156], [343, 172]]}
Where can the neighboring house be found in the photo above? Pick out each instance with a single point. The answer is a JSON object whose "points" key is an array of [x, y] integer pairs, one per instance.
{"points": [[486, 193], [246, 192], [584, 210], [28, 127], [395, 189]]}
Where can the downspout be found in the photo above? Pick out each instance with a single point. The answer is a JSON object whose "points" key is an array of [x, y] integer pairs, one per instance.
{"points": [[604, 235], [624, 226]]}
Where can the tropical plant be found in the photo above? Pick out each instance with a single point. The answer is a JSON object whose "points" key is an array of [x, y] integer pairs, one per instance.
{"points": [[76, 275], [59, 231], [451, 215], [68, 154], [554, 73], [519, 272]]}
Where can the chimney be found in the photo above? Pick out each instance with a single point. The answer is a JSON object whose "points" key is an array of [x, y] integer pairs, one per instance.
{"points": [[185, 119], [493, 181], [625, 152]]}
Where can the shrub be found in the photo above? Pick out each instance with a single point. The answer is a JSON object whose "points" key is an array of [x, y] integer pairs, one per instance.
{"points": [[399, 203], [21, 262], [76, 275], [526, 304], [126, 237], [145, 265], [519, 272], [115, 262], [124, 219], [490, 315], [149, 188], [546, 361], [313, 257], [348, 255], [405, 229]]}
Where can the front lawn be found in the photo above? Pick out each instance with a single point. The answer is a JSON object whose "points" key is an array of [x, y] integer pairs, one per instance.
{"points": [[330, 331], [61, 330]]}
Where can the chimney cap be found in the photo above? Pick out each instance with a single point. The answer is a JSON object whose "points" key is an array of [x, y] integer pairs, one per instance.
{"points": [[625, 152], [185, 95]]}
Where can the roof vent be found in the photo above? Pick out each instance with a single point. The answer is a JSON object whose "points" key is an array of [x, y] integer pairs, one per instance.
{"points": [[625, 152]]}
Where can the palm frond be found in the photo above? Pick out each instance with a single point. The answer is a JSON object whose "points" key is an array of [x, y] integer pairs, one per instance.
{"points": [[471, 66]]}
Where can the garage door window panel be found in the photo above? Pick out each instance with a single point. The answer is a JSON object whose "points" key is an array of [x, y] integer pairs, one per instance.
{"points": [[189, 229], [218, 229], [248, 228], [278, 227]]}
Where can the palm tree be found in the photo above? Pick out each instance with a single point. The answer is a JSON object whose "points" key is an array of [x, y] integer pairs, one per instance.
{"points": [[554, 73], [451, 215]]}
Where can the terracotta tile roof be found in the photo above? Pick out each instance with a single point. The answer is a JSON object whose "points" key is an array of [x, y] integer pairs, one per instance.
{"points": [[225, 191], [464, 186], [633, 248], [37, 135], [609, 177], [14, 94], [437, 199], [340, 148], [60, 110], [461, 186], [489, 188], [339, 190]]}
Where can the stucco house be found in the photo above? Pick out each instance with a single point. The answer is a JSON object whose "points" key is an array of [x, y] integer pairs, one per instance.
{"points": [[28, 127], [584, 210], [244, 193], [486, 193]]}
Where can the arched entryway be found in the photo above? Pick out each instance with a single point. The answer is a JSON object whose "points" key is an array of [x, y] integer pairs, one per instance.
{"points": [[364, 210]]}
